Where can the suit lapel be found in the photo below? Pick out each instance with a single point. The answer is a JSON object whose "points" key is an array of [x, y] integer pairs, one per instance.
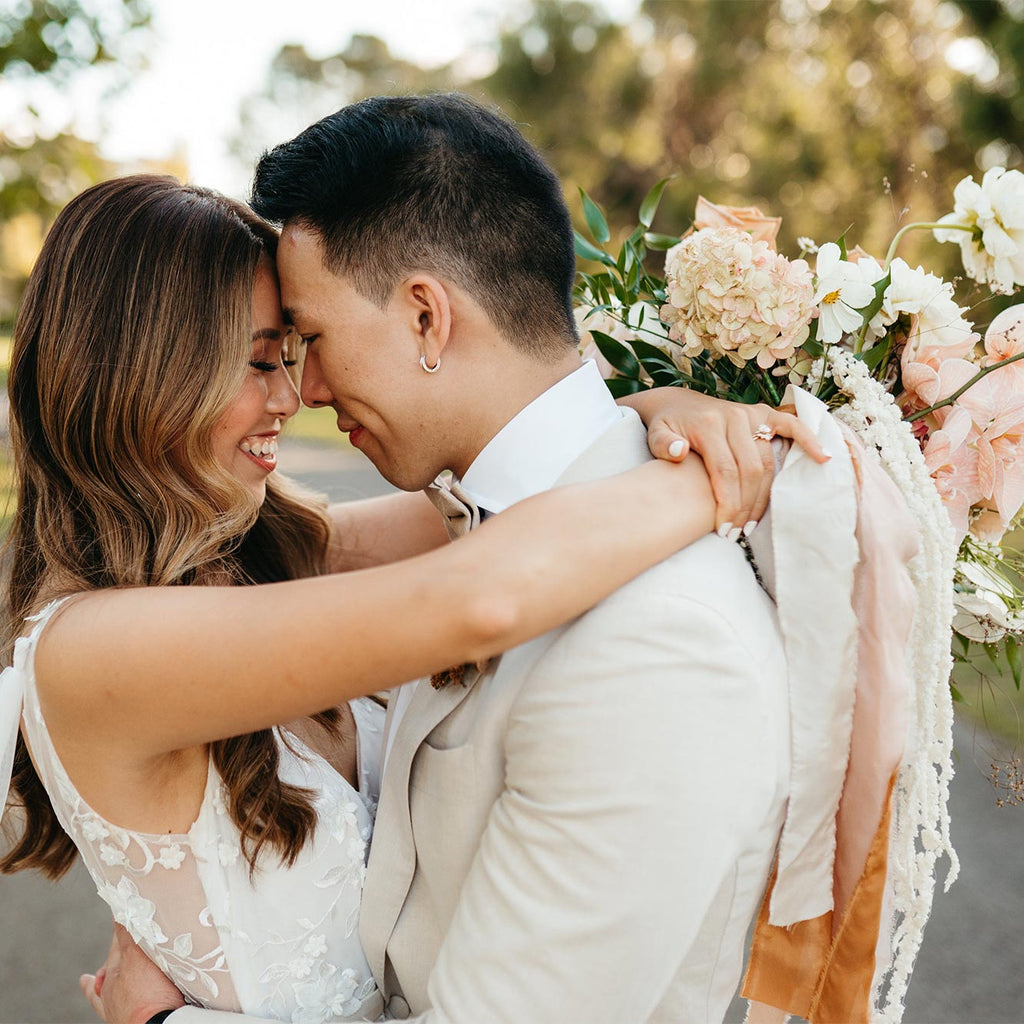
{"points": [[392, 852]]}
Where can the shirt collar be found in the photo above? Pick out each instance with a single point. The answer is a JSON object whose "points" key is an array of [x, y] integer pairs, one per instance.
{"points": [[530, 453]]}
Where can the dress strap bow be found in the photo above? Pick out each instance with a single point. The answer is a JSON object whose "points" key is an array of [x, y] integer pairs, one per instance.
{"points": [[12, 697]]}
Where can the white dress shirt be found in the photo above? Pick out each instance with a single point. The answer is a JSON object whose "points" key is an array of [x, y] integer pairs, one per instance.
{"points": [[539, 444], [528, 455]]}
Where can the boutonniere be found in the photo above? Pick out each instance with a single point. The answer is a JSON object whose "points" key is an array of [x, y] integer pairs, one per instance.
{"points": [[458, 674]]}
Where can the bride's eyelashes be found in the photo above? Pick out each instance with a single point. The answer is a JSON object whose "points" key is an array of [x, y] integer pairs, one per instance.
{"points": [[263, 367]]}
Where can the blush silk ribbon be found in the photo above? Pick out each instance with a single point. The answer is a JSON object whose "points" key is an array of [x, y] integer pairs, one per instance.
{"points": [[834, 555]]}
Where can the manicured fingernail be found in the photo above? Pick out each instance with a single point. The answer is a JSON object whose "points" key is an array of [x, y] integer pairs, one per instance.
{"points": [[734, 533], [675, 449], [724, 530], [749, 528]]}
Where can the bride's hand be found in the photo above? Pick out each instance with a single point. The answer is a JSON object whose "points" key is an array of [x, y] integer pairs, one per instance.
{"points": [[722, 433]]}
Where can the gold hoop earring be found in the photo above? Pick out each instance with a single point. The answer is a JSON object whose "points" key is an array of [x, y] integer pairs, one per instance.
{"points": [[430, 369]]}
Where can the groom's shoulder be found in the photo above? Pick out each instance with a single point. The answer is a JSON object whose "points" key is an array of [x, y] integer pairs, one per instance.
{"points": [[711, 573]]}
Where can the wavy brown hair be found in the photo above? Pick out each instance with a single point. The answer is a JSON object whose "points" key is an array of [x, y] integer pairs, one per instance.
{"points": [[132, 337]]}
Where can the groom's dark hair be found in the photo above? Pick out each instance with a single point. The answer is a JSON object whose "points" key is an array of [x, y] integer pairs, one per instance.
{"points": [[397, 184]]}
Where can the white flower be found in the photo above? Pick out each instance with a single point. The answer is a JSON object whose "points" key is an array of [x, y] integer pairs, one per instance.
{"points": [[941, 322], [993, 251], [344, 821], [332, 995], [171, 857], [93, 829], [981, 616], [220, 799], [133, 911], [316, 945], [871, 272], [982, 612], [808, 245], [840, 293], [300, 967], [227, 853], [111, 855]]}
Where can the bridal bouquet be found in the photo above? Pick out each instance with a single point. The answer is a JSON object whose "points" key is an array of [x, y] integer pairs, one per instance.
{"points": [[935, 401], [735, 318]]}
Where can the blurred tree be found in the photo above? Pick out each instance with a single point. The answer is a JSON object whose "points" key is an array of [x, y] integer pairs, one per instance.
{"points": [[831, 113], [301, 89], [990, 100], [47, 43], [56, 37]]}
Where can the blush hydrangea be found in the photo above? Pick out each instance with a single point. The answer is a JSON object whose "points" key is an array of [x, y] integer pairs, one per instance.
{"points": [[734, 296]]}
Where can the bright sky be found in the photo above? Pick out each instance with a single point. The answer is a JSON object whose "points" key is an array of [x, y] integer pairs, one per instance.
{"points": [[206, 56]]}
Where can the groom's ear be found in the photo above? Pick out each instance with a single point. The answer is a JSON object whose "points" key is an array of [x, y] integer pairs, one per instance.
{"points": [[430, 312]]}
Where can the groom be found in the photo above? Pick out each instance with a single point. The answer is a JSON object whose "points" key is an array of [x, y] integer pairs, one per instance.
{"points": [[581, 830]]}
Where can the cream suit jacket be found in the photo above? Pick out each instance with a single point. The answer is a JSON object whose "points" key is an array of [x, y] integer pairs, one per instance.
{"points": [[582, 834]]}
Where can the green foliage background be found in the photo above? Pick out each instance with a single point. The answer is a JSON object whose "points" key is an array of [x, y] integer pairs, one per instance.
{"points": [[834, 114]]}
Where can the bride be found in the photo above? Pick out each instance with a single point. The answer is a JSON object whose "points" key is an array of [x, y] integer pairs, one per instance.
{"points": [[206, 744]]}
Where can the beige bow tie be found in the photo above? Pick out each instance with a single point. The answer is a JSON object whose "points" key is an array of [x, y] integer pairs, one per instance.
{"points": [[459, 510], [460, 515]]}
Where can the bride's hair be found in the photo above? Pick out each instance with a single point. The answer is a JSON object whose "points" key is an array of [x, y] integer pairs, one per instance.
{"points": [[132, 337]]}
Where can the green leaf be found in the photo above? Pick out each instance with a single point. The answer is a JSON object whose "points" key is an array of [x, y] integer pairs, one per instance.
{"points": [[1013, 657], [620, 387], [751, 395], [595, 219], [841, 242], [957, 695], [964, 643], [635, 270], [875, 304], [586, 251], [648, 353], [992, 650], [660, 242], [873, 356], [649, 206], [622, 360]]}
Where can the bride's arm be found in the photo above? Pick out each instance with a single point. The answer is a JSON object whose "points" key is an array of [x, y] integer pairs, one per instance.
{"points": [[376, 531], [152, 670], [381, 530]]}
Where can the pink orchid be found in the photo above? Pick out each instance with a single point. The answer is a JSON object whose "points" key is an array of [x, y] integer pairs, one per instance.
{"points": [[926, 384], [996, 408], [953, 463], [1005, 339]]}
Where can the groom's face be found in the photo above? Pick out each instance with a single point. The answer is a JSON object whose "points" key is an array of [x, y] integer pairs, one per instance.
{"points": [[363, 362]]}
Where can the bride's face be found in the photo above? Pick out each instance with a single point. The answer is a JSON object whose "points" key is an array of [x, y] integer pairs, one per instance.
{"points": [[245, 436]]}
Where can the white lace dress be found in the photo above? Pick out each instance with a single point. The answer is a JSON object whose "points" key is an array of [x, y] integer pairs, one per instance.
{"points": [[284, 945]]}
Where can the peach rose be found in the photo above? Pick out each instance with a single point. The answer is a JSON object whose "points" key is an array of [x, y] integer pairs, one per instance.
{"points": [[746, 218]]}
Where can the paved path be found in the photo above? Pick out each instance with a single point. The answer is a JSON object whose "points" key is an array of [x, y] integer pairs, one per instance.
{"points": [[969, 971]]}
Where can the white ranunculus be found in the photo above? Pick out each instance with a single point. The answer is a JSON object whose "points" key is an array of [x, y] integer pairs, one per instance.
{"points": [[993, 251]]}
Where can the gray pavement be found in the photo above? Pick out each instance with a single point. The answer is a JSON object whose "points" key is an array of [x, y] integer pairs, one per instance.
{"points": [[969, 970]]}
